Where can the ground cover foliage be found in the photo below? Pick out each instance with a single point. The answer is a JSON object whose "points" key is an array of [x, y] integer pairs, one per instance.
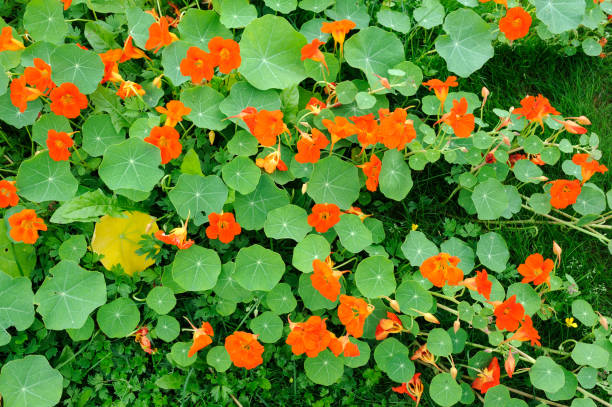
{"points": [[305, 202]]}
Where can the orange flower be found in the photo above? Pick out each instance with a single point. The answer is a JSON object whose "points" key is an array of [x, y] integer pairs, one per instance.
{"points": [[58, 144], [177, 236], [480, 283], [67, 101], [25, 226], [110, 59], [272, 162], [563, 193], [526, 333], [343, 345], [166, 138], [159, 35], [414, 388], [201, 337], [7, 42], [21, 94], [353, 313], [312, 51], [199, 65], [39, 76], [309, 146], [536, 159], [353, 210], [442, 269], [424, 355], [140, 336], [536, 270], [367, 130], [515, 24], [8, 194], [325, 279], [244, 350], [389, 325], [128, 89], [227, 53], [131, 52], [310, 337], [488, 377], [174, 111], [458, 118], [572, 127], [441, 88], [371, 169], [588, 166], [222, 226], [315, 105], [508, 314], [395, 130], [265, 125], [67, 3], [338, 30], [339, 128], [535, 109], [324, 216], [516, 157]]}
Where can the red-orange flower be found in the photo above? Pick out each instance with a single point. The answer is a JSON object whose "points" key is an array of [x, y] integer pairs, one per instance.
{"points": [[25, 226], [265, 125], [8, 194], [67, 3], [572, 127], [199, 65], [353, 313], [564, 192], [128, 89], [488, 377], [515, 157], [177, 236], [7, 42], [244, 350], [174, 111], [21, 94], [371, 169], [588, 166], [535, 109], [343, 345], [395, 130], [39, 76], [140, 336], [480, 283], [441, 88], [504, 2], [166, 138], [159, 35], [309, 146], [367, 130], [201, 337], [223, 227], [508, 314], [442, 269], [227, 53], [515, 24], [131, 52], [110, 59], [312, 51], [338, 30], [458, 118], [414, 388], [67, 100], [389, 325], [423, 354], [536, 270], [58, 143], [325, 279], [315, 105], [272, 162], [339, 128], [310, 337], [324, 216], [526, 333]]}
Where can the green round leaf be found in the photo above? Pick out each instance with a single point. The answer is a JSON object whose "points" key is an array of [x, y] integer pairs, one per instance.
{"points": [[490, 199], [252, 209], [73, 248], [374, 277], [354, 235], [388, 350], [591, 47], [591, 200], [196, 195], [44, 21], [411, 295], [315, 6], [568, 391], [268, 326], [583, 311], [282, 6], [457, 247], [546, 375], [218, 358], [430, 14], [395, 177], [560, 15], [586, 354], [78, 66], [540, 203], [280, 299], [439, 342], [497, 396], [325, 369], [583, 402], [526, 171], [417, 248], [243, 144], [118, 318], [196, 268], [227, 286], [237, 13], [408, 83], [313, 300], [394, 20], [334, 181], [350, 10], [83, 333], [13, 116], [30, 382], [587, 377], [374, 51], [492, 251], [444, 390], [287, 222], [197, 27], [241, 174], [311, 248], [16, 305], [167, 328], [161, 299], [179, 352], [138, 23], [98, 134], [41, 179], [172, 55], [258, 268], [204, 104]]}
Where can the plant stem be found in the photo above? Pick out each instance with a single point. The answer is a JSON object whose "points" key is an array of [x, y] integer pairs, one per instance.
{"points": [[594, 397], [446, 297]]}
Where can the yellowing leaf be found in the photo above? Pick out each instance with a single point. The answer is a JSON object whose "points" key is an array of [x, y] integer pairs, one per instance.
{"points": [[117, 239]]}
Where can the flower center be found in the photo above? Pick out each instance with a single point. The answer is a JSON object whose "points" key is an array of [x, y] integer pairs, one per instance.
{"points": [[224, 54], [66, 99]]}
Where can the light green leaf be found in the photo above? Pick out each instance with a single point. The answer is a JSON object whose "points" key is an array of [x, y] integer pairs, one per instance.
{"points": [[227, 286], [268, 326], [85, 208], [417, 248], [252, 209], [44, 21], [395, 178], [490, 199], [457, 247], [241, 174], [138, 25], [287, 222], [526, 171], [172, 55], [30, 382], [204, 104], [16, 259], [72, 64], [315, 6], [118, 318], [237, 13], [282, 6], [197, 195], [243, 144], [98, 134], [493, 252], [583, 311], [374, 50], [560, 15], [41, 179], [439, 342], [280, 299], [218, 358], [586, 354], [311, 248], [568, 391], [196, 268], [167, 328], [374, 277], [547, 375], [353, 10], [444, 390], [334, 180], [429, 14], [354, 235], [197, 27], [16, 305], [591, 200], [258, 268], [394, 20], [161, 299], [325, 369], [411, 295], [243, 95], [179, 354], [313, 300], [13, 116], [46, 122], [526, 296]]}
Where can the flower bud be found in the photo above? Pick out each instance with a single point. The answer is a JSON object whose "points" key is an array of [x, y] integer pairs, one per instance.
{"points": [[456, 325], [510, 364], [583, 120], [157, 81], [453, 372], [430, 318], [557, 250], [463, 149], [603, 321], [394, 305], [211, 137], [485, 94], [304, 188], [506, 141], [541, 178]]}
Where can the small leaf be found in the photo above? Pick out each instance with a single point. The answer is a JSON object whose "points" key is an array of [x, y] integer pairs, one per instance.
{"points": [[30, 382], [258, 268], [325, 369], [118, 318], [196, 268]]}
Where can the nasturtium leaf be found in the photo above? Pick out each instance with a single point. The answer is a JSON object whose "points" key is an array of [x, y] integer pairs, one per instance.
{"points": [[46, 122], [560, 15], [490, 199], [258, 268], [457, 247], [492, 251], [171, 57], [439, 342], [395, 20], [280, 299], [514, 201], [16, 305], [311, 29], [411, 295], [44, 21], [196, 268], [354, 235], [98, 134], [243, 144], [69, 295], [30, 382], [587, 354], [83, 333], [315, 6], [568, 391], [16, 259], [167, 328], [526, 296], [194, 195], [458, 339], [395, 180], [282, 6], [243, 95], [353, 10], [81, 67], [497, 396], [138, 24], [374, 277], [287, 222], [429, 14], [583, 311], [387, 350], [363, 357], [13, 116], [161, 299], [204, 104], [38, 49], [41, 179], [191, 163], [310, 248], [374, 51], [547, 375], [592, 47], [317, 71], [131, 164], [408, 83], [197, 27], [268, 326], [591, 200], [400, 368], [271, 58], [227, 286], [587, 377], [225, 307], [583, 402], [312, 299], [237, 13], [252, 209], [218, 358], [417, 248], [325, 369], [526, 171], [467, 45], [540, 203], [118, 318], [179, 354], [118, 238], [241, 174], [334, 181], [444, 390]]}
